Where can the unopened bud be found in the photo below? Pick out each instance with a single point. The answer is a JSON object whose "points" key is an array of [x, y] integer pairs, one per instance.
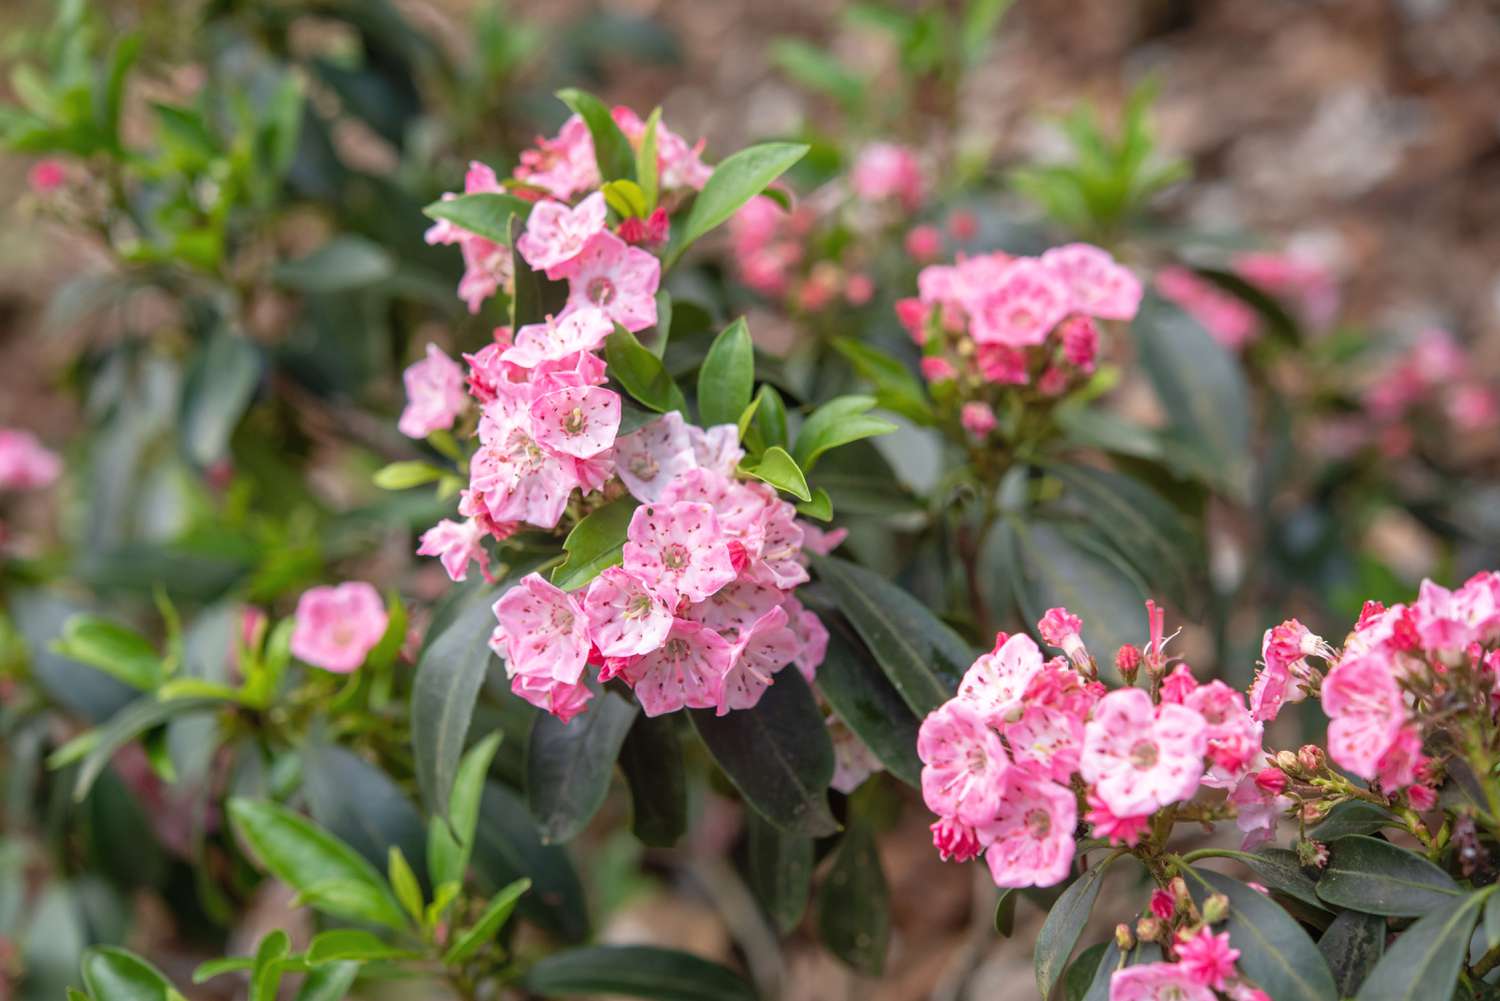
{"points": [[1128, 663], [1271, 780], [1287, 762], [1311, 757], [1215, 908], [1179, 889], [1148, 928], [1124, 941]]}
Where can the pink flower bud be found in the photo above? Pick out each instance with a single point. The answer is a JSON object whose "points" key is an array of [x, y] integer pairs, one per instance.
{"points": [[1272, 780]]}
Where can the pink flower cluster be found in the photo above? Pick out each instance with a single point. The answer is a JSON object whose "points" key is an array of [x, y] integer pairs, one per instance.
{"points": [[1004, 757], [25, 464], [885, 170], [997, 320], [699, 614], [1306, 287], [1229, 319], [1434, 373], [1205, 964]]}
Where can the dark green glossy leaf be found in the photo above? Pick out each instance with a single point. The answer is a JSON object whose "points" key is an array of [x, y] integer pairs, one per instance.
{"points": [[1352, 945], [1081, 972], [727, 376], [340, 265], [780, 871], [450, 671], [1425, 959], [112, 974], [507, 848], [780, 470], [735, 181], [896, 388], [1275, 952], [1005, 913], [921, 656], [218, 391], [870, 706], [777, 754], [1059, 934], [309, 859], [635, 971], [450, 841], [1355, 816], [641, 373], [854, 918], [838, 422], [569, 765], [652, 762], [1278, 870], [1374, 876], [595, 543], [611, 148], [486, 214], [359, 804]]}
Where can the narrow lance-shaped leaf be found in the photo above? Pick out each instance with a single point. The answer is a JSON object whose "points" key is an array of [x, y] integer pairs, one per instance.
{"points": [[450, 671], [1059, 934], [838, 422], [780, 871], [854, 903], [868, 704], [1427, 957], [450, 841], [727, 376], [569, 765], [1352, 945], [734, 182], [611, 148], [1275, 952], [1374, 876], [113, 974], [635, 971], [651, 759], [496, 913], [780, 470], [896, 388], [641, 373]]}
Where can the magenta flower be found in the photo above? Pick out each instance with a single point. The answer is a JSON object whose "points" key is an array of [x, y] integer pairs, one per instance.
{"points": [[1366, 713], [1116, 829], [626, 618], [955, 840], [435, 394], [1031, 834], [562, 699], [963, 763], [812, 637], [1140, 757], [456, 544], [1234, 737], [337, 627], [978, 418], [1021, 307], [556, 234], [678, 550], [1207, 958], [687, 671], [541, 632], [611, 275], [1097, 285], [25, 464], [995, 682]]}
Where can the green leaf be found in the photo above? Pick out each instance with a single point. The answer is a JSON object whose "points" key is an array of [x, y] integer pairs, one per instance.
{"points": [[404, 882], [854, 918], [219, 388], [1426, 959], [838, 422], [1081, 971], [359, 803], [569, 765], [1374, 876], [265, 975], [507, 848], [309, 859], [779, 871], [1275, 953], [652, 762], [219, 967], [118, 651], [1352, 945], [1059, 934], [346, 944], [627, 199], [777, 754], [329, 983], [980, 19], [405, 475], [450, 671], [820, 507], [869, 705], [340, 265], [112, 974], [486, 214], [780, 470], [921, 656], [734, 182], [1492, 923], [1356, 816], [1005, 913], [641, 373], [647, 166], [896, 388], [496, 913], [98, 747], [1203, 389], [636, 971], [817, 70], [727, 376], [611, 148], [595, 543], [450, 842], [1279, 870], [770, 417]]}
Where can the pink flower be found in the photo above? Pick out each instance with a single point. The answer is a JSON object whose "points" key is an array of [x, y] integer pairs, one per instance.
{"points": [[686, 671], [1448, 621], [626, 618], [977, 418], [1045, 741], [1031, 834], [734, 608], [1309, 284], [1257, 810], [938, 369], [1022, 307], [512, 477], [1367, 713], [652, 457], [761, 650], [993, 684], [1207, 958], [1141, 757], [1402, 762], [716, 449], [619, 279], [924, 243], [337, 627], [562, 699], [1080, 341], [964, 764], [488, 268], [1178, 685], [24, 463], [816, 540], [1163, 904], [678, 164], [1098, 286], [1061, 628], [954, 840], [811, 634], [562, 166], [853, 761], [435, 394], [652, 231], [1156, 982], [554, 340], [555, 233], [1003, 365], [580, 421], [46, 176], [1234, 737], [678, 550], [456, 544], [1117, 830], [1230, 322], [886, 170], [541, 632]]}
